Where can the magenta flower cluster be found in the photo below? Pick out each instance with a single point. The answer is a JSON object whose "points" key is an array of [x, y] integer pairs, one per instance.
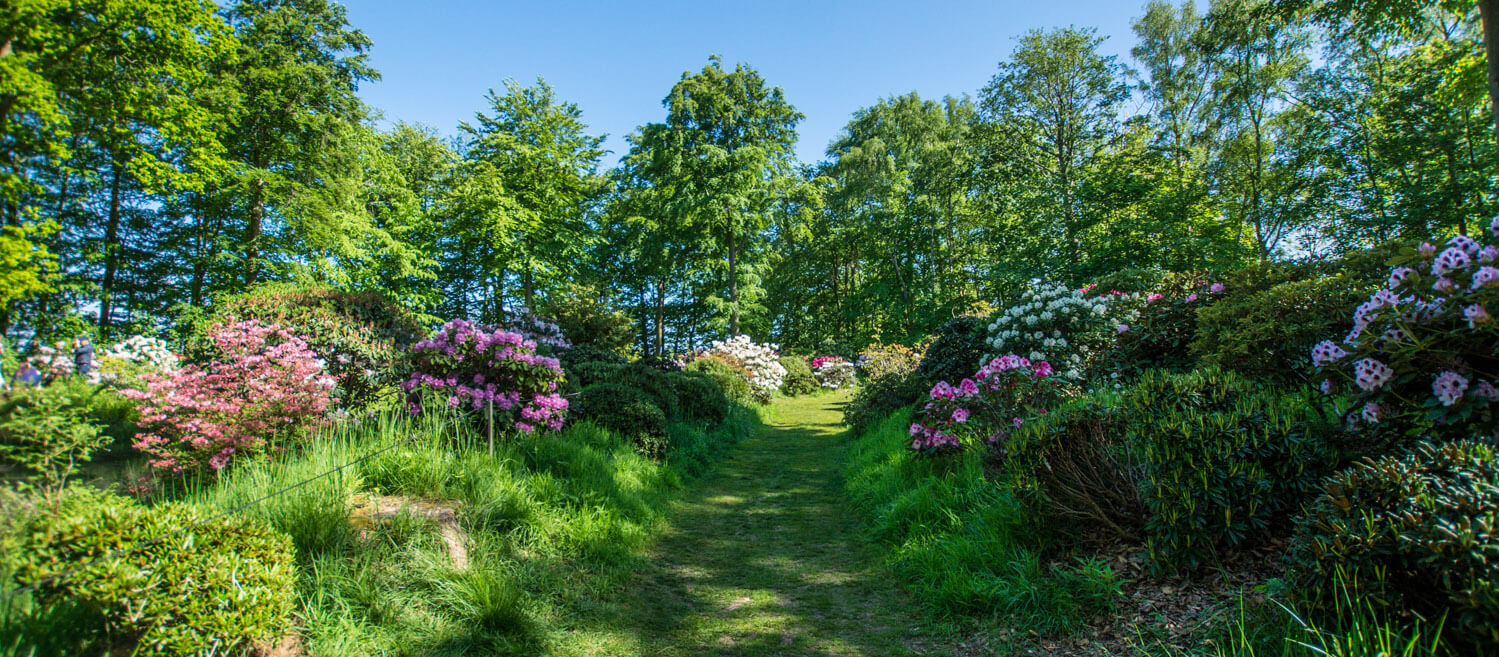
{"points": [[265, 391], [984, 408], [1425, 347], [465, 365]]}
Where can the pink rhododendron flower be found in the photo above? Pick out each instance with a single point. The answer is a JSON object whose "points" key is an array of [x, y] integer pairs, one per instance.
{"points": [[1449, 386], [1444, 285], [1371, 374], [1399, 275], [1372, 413], [1476, 315], [1217, 288], [1191, 297], [1326, 352], [1042, 369], [1485, 277], [1486, 390], [960, 415], [1155, 296], [1426, 249], [1122, 328]]}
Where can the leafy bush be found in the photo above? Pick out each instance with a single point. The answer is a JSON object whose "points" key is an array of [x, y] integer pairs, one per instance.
{"points": [[1223, 460], [1269, 334], [266, 392], [1073, 464], [655, 383], [122, 364], [699, 398], [472, 365], [359, 335], [983, 410], [957, 352], [1424, 350], [627, 412], [880, 360], [587, 321], [880, 397], [835, 374], [1165, 325], [731, 379], [48, 431], [1069, 328], [799, 378], [760, 362], [1417, 534], [542, 330], [214, 589]]}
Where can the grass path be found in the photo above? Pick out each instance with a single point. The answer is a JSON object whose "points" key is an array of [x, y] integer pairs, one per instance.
{"points": [[762, 557]]}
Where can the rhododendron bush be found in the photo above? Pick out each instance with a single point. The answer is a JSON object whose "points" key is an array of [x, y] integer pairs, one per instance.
{"points": [[984, 409], [1054, 323], [470, 366], [124, 363], [1424, 349], [833, 372], [760, 360], [543, 331], [265, 392]]}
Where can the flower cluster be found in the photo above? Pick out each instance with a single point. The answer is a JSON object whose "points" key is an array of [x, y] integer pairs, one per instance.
{"points": [[984, 409], [833, 372], [760, 360], [1057, 324], [124, 362], [542, 330], [52, 361], [1424, 348], [266, 391], [468, 365]]}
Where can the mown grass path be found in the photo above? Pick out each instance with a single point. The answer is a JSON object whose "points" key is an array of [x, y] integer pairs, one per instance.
{"points": [[764, 556]]}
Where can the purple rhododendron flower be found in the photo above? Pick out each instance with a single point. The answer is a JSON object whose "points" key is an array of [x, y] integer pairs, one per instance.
{"points": [[1426, 249], [1476, 315], [960, 415], [1191, 297], [1371, 374], [1372, 413], [1326, 352], [1122, 328], [1217, 288]]}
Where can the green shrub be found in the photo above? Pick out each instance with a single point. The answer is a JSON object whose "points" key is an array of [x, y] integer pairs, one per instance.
{"points": [[699, 398], [589, 322], [957, 352], [360, 335], [48, 431], [799, 378], [1418, 534], [1074, 465], [216, 589], [1130, 280], [627, 412], [1223, 460], [653, 382], [879, 360], [877, 399], [1269, 334], [1165, 325], [732, 380]]}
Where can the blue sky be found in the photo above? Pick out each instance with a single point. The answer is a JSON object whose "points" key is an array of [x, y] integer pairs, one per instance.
{"points": [[618, 60]]}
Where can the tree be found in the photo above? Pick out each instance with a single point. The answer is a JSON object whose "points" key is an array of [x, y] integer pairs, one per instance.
{"points": [[724, 154], [542, 156]]}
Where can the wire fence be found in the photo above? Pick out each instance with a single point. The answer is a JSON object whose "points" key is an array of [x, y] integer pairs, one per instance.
{"points": [[136, 547]]}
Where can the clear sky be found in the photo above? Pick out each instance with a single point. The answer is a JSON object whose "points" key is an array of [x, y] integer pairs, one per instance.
{"points": [[617, 60]]}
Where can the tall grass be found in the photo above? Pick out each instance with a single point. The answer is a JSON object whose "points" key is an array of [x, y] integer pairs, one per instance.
{"points": [[962, 543]]}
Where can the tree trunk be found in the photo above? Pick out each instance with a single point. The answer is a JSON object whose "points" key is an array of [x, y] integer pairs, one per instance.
{"points": [[1488, 11], [733, 284], [111, 252], [660, 317], [253, 231]]}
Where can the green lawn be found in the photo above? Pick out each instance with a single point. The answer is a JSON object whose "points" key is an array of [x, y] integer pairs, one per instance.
{"points": [[762, 557]]}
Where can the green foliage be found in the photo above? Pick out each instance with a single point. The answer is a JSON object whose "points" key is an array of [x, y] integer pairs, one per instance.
{"points": [[218, 588], [734, 381], [49, 431], [625, 411], [962, 543], [1269, 334], [1159, 336], [799, 378], [588, 321], [1415, 535], [699, 397], [1074, 465], [1223, 458], [360, 335], [879, 360], [877, 399], [956, 353]]}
